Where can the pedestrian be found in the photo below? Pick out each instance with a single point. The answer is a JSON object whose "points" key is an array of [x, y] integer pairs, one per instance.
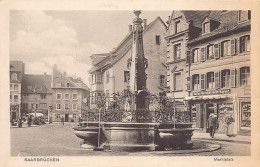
{"points": [[29, 120], [62, 120], [212, 122], [230, 126]]}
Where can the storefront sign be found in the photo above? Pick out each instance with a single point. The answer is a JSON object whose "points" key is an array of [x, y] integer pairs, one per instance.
{"points": [[246, 114], [212, 92]]}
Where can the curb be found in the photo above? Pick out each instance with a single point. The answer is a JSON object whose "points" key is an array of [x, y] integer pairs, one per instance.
{"points": [[225, 140]]}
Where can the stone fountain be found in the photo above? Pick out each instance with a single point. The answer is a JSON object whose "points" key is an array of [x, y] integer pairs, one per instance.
{"points": [[135, 128]]}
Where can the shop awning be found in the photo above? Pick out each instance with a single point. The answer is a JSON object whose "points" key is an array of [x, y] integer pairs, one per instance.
{"points": [[210, 97]]}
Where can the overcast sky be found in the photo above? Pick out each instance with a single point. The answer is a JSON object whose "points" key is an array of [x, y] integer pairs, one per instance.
{"points": [[68, 38]]}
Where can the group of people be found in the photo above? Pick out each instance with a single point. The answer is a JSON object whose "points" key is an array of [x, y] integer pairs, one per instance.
{"points": [[213, 124]]}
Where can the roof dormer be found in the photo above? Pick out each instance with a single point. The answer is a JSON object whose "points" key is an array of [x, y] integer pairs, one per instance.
{"points": [[208, 25]]}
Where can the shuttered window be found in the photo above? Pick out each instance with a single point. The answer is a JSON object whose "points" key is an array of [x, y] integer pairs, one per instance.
{"points": [[225, 78], [195, 82], [202, 54], [245, 43], [195, 56], [225, 48], [202, 81], [245, 76], [216, 79], [210, 80]]}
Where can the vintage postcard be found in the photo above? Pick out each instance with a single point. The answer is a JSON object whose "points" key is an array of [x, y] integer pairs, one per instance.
{"points": [[129, 83]]}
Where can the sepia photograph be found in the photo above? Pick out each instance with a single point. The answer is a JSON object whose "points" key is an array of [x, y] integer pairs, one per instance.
{"points": [[129, 83]]}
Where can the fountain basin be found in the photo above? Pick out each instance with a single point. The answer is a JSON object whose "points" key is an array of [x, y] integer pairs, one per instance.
{"points": [[126, 136]]}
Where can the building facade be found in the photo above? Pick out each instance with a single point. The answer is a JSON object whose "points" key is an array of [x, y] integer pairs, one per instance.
{"points": [[36, 94], [70, 97], [110, 72], [16, 76]]}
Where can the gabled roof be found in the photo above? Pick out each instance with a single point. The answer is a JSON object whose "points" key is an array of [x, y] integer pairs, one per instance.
{"points": [[41, 82], [115, 56], [16, 66]]}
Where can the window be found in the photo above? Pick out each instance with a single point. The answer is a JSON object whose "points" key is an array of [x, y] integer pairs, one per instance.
{"points": [[245, 43], [67, 96], [195, 82], [58, 84], [74, 97], [66, 106], [11, 98], [74, 116], [210, 80], [58, 96], [177, 26], [14, 77], [57, 115], [99, 78], [225, 48], [25, 106], [177, 51], [210, 52], [68, 84], [43, 105], [195, 55], [15, 86], [245, 76], [206, 27], [126, 76], [74, 106], [11, 86], [15, 98], [177, 81], [29, 87], [162, 80], [243, 15], [58, 106], [225, 78], [107, 76], [158, 39], [43, 96]]}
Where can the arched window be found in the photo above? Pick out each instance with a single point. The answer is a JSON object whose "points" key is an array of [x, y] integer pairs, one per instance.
{"points": [[14, 76]]}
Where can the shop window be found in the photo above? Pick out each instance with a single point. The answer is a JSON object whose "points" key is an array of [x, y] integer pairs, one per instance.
{"points": [[245, 43], [107, 76], [177, 81], [195, 82], [210, 52], [158, 39], [225, 78], [177, 26], [74, 97], [16, 86], [210, 80], [195, 56], [126, 76], [177, 51], [58, 96], [58, 106], [206, 27], [245, 76], [67, 96], [14, 77]]}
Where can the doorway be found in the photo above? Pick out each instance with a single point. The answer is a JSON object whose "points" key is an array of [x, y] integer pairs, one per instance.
{"points": [[66, 117], [209, 110]]}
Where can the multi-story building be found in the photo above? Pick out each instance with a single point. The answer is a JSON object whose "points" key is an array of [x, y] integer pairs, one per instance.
{"points": [[181, 28], [36, 93], [218, 58], [110, 73], [70, 97], [16, 75]]}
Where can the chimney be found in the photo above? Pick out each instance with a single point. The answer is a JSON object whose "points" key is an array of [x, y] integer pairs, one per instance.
{"points": [[145, 22], [130, 28]]}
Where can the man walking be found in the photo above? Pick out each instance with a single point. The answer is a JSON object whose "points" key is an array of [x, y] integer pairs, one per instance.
{"points": [[212, 122]]}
